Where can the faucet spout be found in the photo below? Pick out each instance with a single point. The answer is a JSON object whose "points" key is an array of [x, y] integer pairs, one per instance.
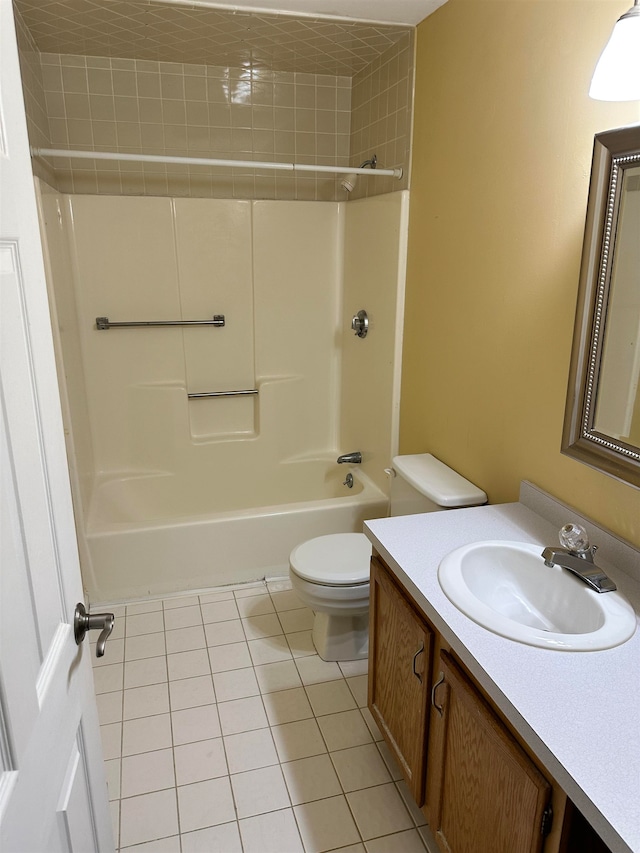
{"points": [[580, 565], [354, 458]]}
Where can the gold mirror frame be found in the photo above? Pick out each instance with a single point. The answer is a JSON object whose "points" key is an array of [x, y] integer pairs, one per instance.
{"points": [[613, 152]]}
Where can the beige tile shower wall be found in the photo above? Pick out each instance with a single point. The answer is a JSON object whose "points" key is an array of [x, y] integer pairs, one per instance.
{"points": [[34, 97], [136, 106], [374, 275], [381, 115]]}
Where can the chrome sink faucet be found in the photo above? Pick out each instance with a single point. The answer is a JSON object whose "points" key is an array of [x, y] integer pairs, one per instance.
{"points": [[576, 556], [352, 458]]}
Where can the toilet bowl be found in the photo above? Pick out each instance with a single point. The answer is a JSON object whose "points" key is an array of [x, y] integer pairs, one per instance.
{"points": [[331, 573]]}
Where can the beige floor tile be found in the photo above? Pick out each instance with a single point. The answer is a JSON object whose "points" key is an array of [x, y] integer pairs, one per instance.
{"points": [[144, 646], [259, 791], [313, 670], [330, 697], [188, 664], [286, 600], [109, 707], [224, 633], [311, 779], [257, 627], [269, 650], [296, 620], [350, 668], [111, 737], [108, 678], [191, 692], [146, 701], [256, 605], [182, 617], [224, 838], [389, 760], [278, 676], [358, 685], [232, 656], [146, 623], [185, 639], [219, 611], [286, 706], [242, 715], [343, 730], [146, 734], [114, 810], [274, 832], [193, 724], [114, 652], [326, 825], [235, 684], [298, 740], [367, 716], [360, 767], [147, 772], [139, 673], [301, 644], [205, 804], [379, 811], [199, 761], [250, 750], [148, 817]]}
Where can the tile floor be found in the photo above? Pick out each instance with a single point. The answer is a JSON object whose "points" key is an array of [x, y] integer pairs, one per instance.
{"points": [[223, 731]]}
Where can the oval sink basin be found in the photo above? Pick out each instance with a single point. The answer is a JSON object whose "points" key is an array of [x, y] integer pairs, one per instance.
{"points": [[506, 588]]}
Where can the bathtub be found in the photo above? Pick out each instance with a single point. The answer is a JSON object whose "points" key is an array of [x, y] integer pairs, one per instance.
{"points": [[147, 536]]}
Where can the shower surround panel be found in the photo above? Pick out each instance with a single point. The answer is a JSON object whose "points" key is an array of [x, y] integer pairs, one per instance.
{"points": [[162, 481]]}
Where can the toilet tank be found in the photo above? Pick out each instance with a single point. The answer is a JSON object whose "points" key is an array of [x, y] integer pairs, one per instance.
{"points": [[424, 484]]}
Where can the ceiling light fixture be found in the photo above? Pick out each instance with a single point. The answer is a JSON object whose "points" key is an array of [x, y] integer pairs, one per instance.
{"points": [[617, 74]]}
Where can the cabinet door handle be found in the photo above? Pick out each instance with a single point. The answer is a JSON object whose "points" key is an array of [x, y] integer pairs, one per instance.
{"points": [[440, 680], [415, 658]]}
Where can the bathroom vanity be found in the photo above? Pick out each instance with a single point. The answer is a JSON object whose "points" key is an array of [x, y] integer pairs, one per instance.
{"points": [[507, 748]]}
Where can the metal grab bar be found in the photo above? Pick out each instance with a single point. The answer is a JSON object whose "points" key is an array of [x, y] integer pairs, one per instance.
{"points": [[105, 323], [222, 394]]}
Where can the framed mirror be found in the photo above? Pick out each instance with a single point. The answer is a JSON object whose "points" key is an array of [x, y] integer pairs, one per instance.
{"points": [[602, 417]]}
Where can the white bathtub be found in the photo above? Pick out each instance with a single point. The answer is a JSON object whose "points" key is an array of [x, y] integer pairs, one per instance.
{"points": [[146, 536]]}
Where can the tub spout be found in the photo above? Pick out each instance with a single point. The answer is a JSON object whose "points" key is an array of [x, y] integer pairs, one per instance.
{"points": [[352, 458]]}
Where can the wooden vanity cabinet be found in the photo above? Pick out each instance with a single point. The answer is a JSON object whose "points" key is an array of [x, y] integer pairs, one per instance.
{"points": [[484, 791], [400, 655], [485, 794]]}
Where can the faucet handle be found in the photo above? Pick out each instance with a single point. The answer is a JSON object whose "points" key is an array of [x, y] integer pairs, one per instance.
{"points": [[574, 537]]}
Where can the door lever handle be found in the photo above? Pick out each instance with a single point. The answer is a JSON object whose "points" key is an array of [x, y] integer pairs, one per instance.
{"points": [[84, 621]]}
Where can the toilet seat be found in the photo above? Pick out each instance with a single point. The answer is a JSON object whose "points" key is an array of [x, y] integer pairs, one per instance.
{"points": [[339, 559]]}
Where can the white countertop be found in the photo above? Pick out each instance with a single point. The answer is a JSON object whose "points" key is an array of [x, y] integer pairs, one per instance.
{"points": [[578, 711]]}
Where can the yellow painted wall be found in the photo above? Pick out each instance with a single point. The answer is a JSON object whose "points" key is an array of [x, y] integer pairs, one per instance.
{"points": [[501, 159]]}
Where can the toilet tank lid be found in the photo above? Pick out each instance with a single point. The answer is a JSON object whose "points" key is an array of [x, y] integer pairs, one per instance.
{"points": [[436, 481]]}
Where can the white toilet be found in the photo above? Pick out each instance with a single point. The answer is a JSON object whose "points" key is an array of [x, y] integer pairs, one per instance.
{"points": [[331, 573]]}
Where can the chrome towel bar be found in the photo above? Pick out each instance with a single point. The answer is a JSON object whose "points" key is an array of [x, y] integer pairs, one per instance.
{"points": [[223, 394], [105, 323]]}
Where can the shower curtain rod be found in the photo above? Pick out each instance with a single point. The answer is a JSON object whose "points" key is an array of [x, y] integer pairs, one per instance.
{"points": [[206, 161]]}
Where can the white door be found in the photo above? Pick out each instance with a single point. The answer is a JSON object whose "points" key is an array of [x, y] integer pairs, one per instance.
{"points": [[53, 793]]}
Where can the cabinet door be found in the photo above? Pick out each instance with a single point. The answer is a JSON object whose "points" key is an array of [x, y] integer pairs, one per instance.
{"points": [[399, 676], [485, 793]]}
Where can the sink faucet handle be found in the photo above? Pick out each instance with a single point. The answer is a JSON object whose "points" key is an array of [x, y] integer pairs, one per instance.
{"points": [[575, 538]]}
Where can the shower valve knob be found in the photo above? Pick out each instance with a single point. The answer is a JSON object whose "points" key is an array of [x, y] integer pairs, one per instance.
{"points": [[360, 323]]}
